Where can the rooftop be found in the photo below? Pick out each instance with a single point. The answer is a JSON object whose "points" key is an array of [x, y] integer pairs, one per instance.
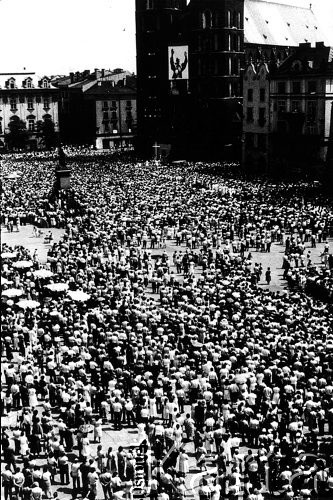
{"points": [[270, 23]]}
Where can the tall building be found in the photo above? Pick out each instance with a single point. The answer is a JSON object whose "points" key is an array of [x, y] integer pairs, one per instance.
{"points": [[31, 99], [197, 107], [199, 114]]}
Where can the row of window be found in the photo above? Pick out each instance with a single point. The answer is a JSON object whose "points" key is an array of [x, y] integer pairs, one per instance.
{"points": [[209, 19], [297, 88], [296, 106], [218, 66], [261, 115], [113, 104], [262, 95], [31, 123], [219, 41], [30, 101], [27, 83]]}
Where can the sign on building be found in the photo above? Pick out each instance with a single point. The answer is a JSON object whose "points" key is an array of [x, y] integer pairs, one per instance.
{"points": [[178, 62]]}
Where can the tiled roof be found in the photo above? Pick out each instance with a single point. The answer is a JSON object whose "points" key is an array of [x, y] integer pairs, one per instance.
{"points": [[270, 23], [106, 88], [20, 78], [319, 57]]}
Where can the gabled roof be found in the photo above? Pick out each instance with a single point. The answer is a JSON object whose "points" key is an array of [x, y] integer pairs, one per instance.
{"points": [[271, 23], [308, 60]]}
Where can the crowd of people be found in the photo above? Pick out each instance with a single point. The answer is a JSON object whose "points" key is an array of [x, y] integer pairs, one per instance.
{"points": [[228, 384]]}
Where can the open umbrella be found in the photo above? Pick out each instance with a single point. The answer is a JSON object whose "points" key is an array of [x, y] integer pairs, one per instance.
{"points": [[43, 273], [78, 296], [57, 287], [9, 255], [12, 292], [28, 304], [14, 175], [23, 264], [4, 281]]}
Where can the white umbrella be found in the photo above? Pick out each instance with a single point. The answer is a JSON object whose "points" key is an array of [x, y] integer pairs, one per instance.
{"points": [[23, 264], [78, 296], [43, 273], [57, 287], [4, 281], [12, 292], [28, 304], [9, 255], [14, 175]]}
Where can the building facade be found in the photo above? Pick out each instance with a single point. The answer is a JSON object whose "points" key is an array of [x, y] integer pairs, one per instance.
{"points": [[301, 96], [115, 113], [32, 100], [98, 108], [256, 116]]}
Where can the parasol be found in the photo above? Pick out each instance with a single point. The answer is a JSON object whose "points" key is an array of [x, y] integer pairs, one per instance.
{"points": [[23, 264], [4, 281], [78, 296], [12, 292], [9, 255], [28, 304], [14, 175], [57, 287], [43, 273]]}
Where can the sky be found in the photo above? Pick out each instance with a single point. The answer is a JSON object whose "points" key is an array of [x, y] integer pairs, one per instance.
{"points": [[59, 36]]}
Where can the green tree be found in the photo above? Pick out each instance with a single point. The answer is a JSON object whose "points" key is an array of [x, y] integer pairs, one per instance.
{"points": [[17, 136], [47, 130]]}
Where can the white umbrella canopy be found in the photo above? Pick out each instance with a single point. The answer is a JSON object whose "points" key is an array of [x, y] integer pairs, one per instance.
{"points": [[9, 255], [78, 296], [13, 175], [43, 273], [57, 287], [12, 292], [4, 281], [23, 264], [28, 304]]}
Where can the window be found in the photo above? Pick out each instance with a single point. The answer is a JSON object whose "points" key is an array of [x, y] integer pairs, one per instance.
{"points": [[296, 87], [28, 83], [21, 99], [281, 107], [229, 18], [12, 84], [149, 4], [31, 124], [296, 106], [250, 95], [229, 66], [114, 115], [0, 125], [105, 115], [311, 112], [312, 87], [128, 104], [114, 104], [249, 114], [207, 19], [262, 116], [13, 106], [239, 20], [30, 103], [262, 95], [46, 103], [105, 105], [228, 41], [281, 88], [106, 127], [45, 83]]}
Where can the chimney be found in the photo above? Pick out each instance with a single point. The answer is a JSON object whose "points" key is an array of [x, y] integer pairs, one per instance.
{"points": [[97, 73], [103, 73], [72, 77], [320, 45]]}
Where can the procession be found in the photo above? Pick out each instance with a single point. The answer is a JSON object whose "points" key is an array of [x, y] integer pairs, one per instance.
{"points": [[176, 340]]}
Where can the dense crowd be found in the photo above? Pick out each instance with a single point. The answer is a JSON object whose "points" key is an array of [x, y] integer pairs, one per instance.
{"points": [[211, 368]]}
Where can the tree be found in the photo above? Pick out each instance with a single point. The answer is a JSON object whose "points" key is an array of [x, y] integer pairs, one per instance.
{"points": [[17, 136], [47, 130]]}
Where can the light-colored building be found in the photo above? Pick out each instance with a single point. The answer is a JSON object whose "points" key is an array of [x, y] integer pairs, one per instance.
{"points": [[115, 113], [30, 98], [256, 113]]}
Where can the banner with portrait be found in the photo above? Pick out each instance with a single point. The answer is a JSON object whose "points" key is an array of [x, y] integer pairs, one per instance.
{"points": [[178, 62]]}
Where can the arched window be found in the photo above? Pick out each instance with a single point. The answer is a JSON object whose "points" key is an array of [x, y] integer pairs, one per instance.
{"points": [[31, 123], [207, 19], [0, 125]]}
